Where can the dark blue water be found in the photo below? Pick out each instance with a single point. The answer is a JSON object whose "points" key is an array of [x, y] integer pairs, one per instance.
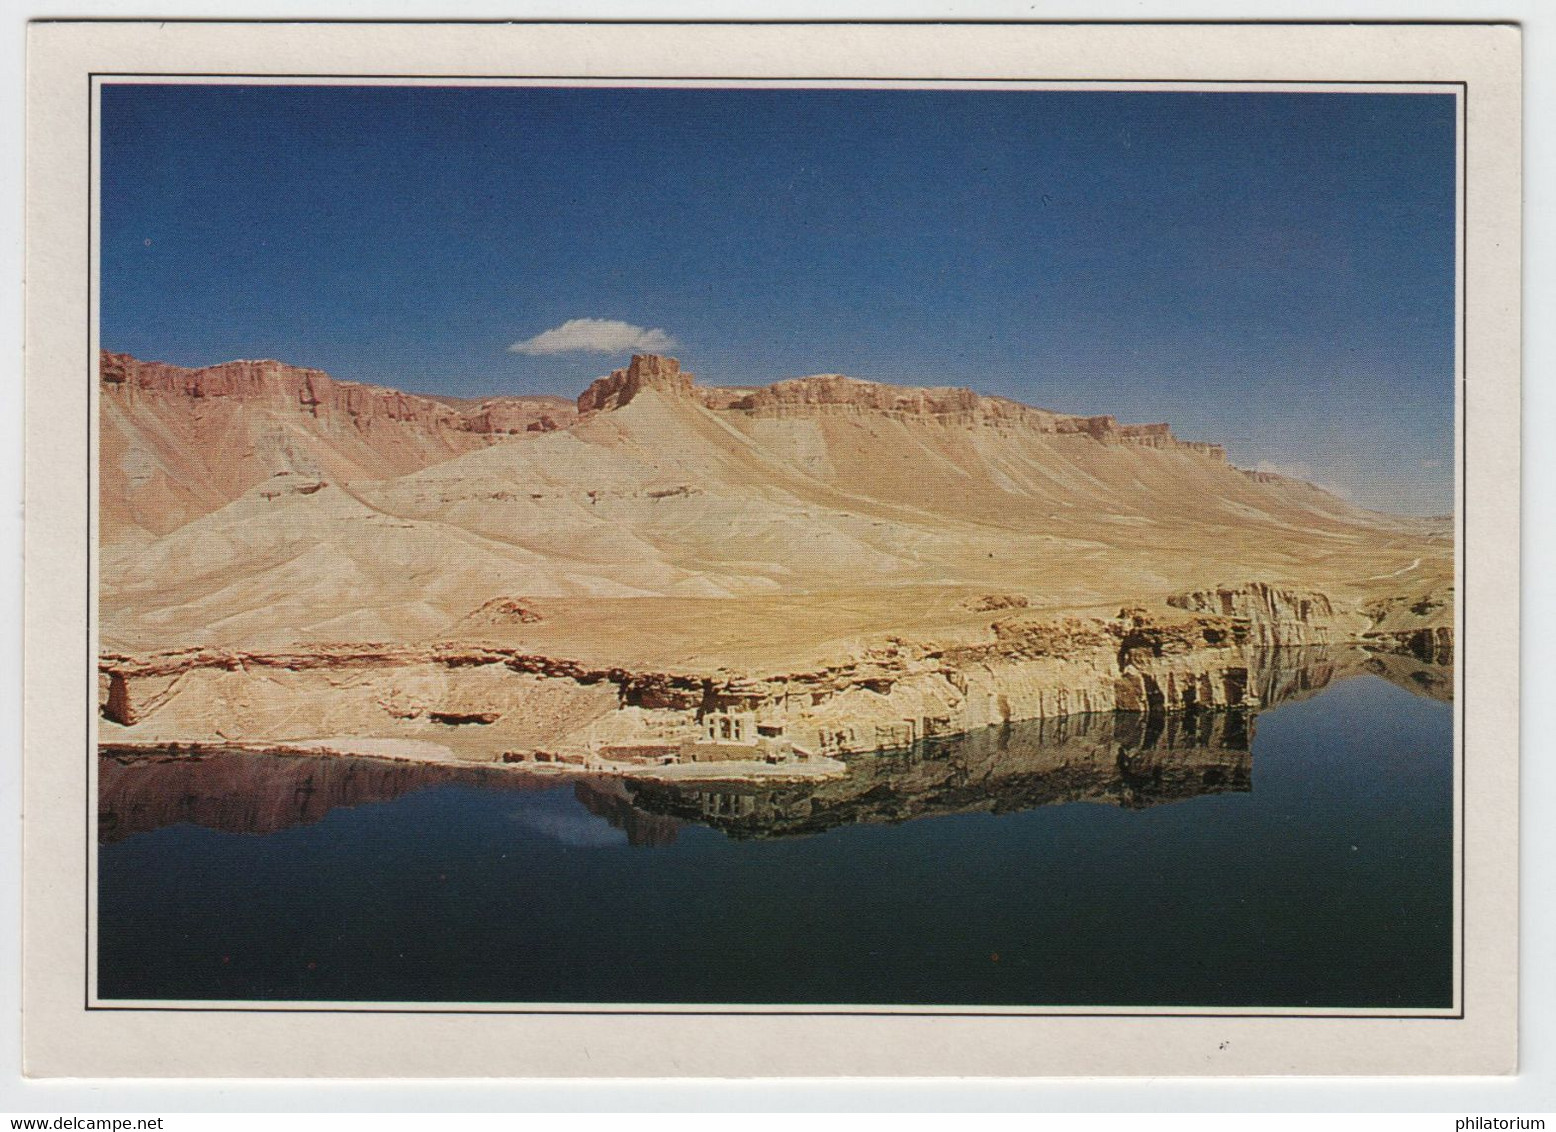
{"points": [[1092, 864]]}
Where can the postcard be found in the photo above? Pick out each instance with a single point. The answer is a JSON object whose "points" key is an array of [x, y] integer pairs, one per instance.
{"points": [[615, 549]]}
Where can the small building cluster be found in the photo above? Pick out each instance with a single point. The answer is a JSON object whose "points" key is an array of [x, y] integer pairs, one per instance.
{"points": [[722, 737], [731, 736]]}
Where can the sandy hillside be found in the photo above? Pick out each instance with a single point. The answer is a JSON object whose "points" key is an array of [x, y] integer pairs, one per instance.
{"points": [[255, 505]]}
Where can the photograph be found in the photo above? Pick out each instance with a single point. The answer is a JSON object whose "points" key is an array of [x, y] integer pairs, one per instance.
{"points": [[889, 546]]}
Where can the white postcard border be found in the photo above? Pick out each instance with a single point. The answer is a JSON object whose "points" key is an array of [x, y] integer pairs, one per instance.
{"points": [[71, 1040]]}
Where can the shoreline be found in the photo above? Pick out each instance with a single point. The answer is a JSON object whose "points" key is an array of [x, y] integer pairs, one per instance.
{"points": [[420, 753]]}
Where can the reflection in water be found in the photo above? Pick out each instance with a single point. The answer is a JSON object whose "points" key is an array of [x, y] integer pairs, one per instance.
{"points": [[610, 799], [249, 792], [1326, 881], [1125, 759]]}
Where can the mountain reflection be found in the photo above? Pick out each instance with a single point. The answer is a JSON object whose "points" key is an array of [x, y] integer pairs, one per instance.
{"points": [[1124, 759], [249, 792]]}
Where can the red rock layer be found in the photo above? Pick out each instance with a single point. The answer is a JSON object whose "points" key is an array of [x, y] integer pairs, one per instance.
{"points": [[835, 393], [179, 443], [317, 394]]}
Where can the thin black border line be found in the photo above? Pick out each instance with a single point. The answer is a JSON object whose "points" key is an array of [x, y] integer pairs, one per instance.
{"points": [[1014, 1014], [88, 905], [585, 82], [784, 1012], [1461, 595], [842, 22]]}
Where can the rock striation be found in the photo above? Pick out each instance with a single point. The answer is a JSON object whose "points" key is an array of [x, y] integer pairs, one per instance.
{"points": [[177, 444], [1269, 616], [833, 394], [1029, 667], [318, 395]]}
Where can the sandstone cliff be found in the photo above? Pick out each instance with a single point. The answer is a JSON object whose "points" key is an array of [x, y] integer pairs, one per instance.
{"points": [[835, 394], [492, 701], [315, 393], [180, 443]]}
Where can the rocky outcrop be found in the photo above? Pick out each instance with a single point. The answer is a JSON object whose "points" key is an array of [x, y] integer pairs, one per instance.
{"points": [[503, 611], [985, 603], [510, 415], [1432, 645], [317, 394], [803, 395], [177, 444], [647, 371], [363, 684], [835, 394], [1418, 622], [1266, 616]]}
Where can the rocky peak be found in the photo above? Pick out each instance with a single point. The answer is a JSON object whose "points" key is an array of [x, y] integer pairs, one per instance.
{"points": [[647, 371]]}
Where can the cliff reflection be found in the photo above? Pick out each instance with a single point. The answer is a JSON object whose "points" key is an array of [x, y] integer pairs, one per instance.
{"points": [[1127, 760], [1123, 759], [248, 792], [1131, 761]]}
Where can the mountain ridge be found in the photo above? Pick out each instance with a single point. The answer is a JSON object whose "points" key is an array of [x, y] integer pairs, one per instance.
{"points": [[281, 506], [313, 425]]}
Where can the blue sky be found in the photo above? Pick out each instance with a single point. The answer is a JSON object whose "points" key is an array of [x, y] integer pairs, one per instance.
{"points": [[1275, 271]]}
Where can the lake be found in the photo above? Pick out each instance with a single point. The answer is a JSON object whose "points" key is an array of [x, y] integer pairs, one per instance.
{"points": [[1300, 858]]}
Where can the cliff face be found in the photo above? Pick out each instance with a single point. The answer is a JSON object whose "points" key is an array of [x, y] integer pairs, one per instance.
{"points": [[1275, 617], [180, 443], [313, 392], [1120, 760], [835, 394], [647, 371], [496, 700], [1131, 760]]}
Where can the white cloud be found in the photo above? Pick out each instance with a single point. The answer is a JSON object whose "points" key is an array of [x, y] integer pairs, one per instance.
{"points": [[595, 336]]}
